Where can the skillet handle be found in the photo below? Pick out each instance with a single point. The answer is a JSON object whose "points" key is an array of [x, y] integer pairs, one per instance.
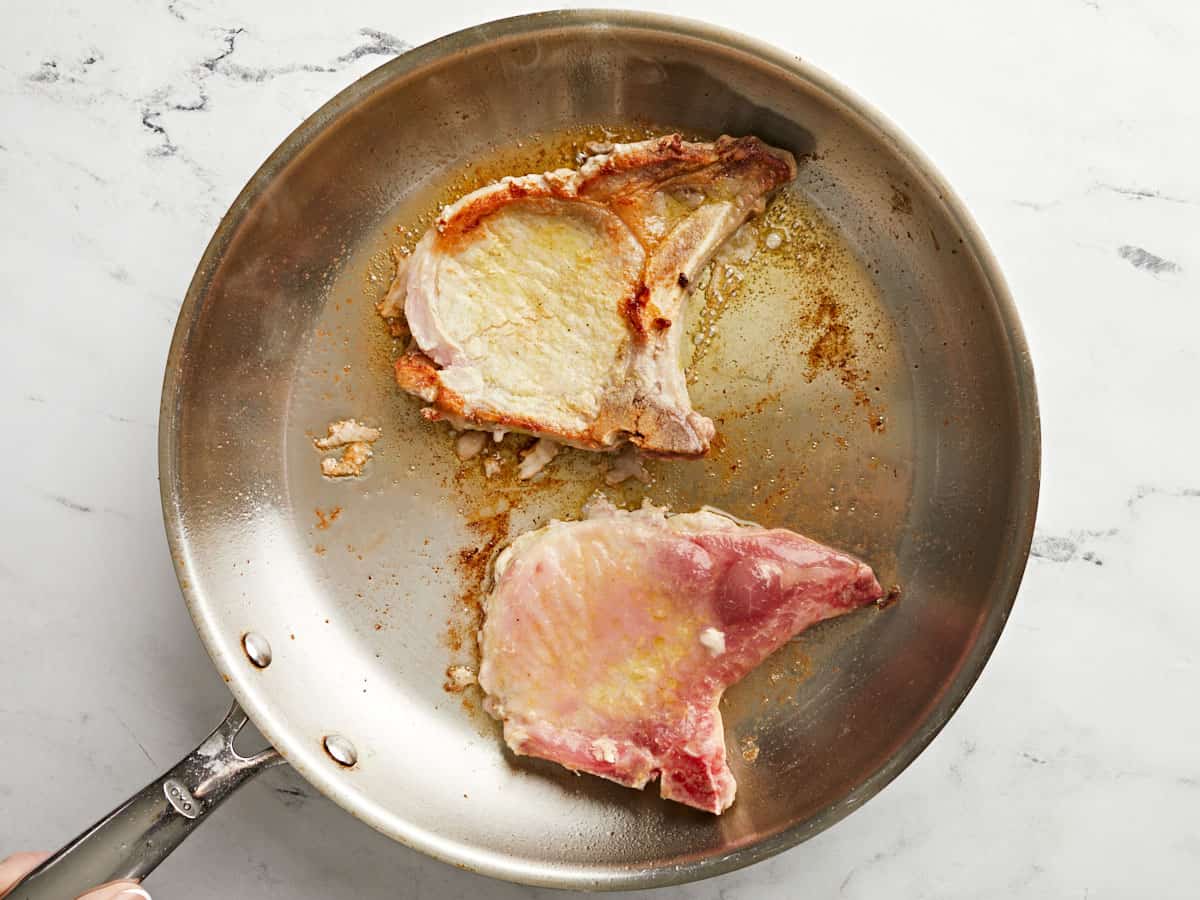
{"points": [[134, 838]]}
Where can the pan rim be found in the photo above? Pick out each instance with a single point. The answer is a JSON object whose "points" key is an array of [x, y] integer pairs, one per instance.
{"points": [[331, 783]]}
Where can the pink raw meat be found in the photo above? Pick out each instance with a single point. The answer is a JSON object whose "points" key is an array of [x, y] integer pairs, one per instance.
{"points": [[608, 642]]}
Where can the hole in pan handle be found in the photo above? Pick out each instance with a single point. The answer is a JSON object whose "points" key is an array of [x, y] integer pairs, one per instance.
{"points": [[134, 838]]}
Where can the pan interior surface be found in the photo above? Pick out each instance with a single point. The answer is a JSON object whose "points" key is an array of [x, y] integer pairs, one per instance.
{"points": [[868, 380]]}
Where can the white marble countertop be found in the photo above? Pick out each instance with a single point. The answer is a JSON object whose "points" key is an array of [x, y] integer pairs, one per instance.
{"points": [[1071, 129]]}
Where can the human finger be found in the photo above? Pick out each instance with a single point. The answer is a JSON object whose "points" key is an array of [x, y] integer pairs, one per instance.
{"points": [[16, 867]]}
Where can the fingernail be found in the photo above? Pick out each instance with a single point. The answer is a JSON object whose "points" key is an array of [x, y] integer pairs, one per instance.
{"points": [[132, 894]]}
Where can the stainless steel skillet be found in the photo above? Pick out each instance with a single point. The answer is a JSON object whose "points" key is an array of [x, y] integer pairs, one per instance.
{"points": [[875, 392]]}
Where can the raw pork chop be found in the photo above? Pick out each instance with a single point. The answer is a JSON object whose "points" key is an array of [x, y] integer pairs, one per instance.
{"points": [[551, 304], [608, 642]]}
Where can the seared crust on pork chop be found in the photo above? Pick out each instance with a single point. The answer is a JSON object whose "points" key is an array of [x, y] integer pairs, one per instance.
{"points": [[552, 304]]}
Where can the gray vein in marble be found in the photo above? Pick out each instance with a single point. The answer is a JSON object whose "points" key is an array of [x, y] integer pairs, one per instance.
{"points": [[76, 165], [151, 117], [51, 71], [47, 73], [1150, 490], [1129, 193], [1054, 548], [955, 769], [231, 35], [71, 504], [136, 740], [1035, 206], [150, 121], [897, 847], [77, 506], [111, 417], [155, 106], [380, 44], [1139, 193], [1064, 548], [1144, 259]]}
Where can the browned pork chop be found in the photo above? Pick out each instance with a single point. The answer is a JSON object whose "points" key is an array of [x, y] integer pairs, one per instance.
{"points": [[551, 304], [608, 642]]}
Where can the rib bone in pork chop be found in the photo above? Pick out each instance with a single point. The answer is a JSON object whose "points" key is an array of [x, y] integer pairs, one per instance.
{"points": [[608, 642], [552, 304]]}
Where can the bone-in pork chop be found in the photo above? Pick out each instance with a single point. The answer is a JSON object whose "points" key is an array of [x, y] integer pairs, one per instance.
{"points": [[608, 642], [552, 303]]}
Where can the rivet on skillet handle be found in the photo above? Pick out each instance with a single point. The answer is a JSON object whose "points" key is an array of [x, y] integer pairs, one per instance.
{"points": [[134, 838], [257, 648], [341, 750]]}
